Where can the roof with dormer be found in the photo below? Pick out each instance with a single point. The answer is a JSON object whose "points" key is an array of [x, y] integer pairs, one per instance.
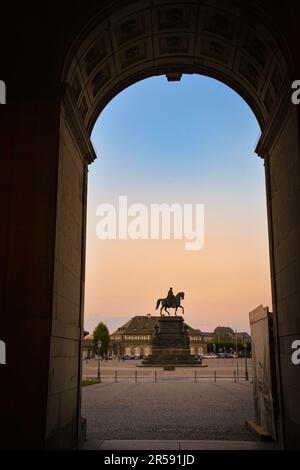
{"points": [[144, 324]]}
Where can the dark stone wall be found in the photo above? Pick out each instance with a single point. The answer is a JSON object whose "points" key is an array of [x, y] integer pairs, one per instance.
{"points": [[28, 179]]}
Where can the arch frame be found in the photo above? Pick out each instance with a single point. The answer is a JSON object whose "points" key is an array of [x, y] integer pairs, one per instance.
{"points": [[46, 149], [267, 91]]}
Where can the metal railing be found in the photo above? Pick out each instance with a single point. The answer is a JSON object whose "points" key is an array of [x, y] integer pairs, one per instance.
{"points": [[156, 377]]}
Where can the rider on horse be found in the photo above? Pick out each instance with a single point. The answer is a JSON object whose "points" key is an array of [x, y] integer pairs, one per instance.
{"points": [[170, 298], [171, 301]]}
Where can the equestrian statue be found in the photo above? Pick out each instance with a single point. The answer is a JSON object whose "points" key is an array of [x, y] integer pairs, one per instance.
{"points": [[171, 301]]}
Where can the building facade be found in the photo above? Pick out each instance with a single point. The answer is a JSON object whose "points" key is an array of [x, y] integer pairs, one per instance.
{"points": [[135, 338]]}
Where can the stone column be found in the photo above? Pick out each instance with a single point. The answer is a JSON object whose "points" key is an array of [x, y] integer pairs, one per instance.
{"points": [[29, 149], [44, 155], [279, 145], [64, 388]]}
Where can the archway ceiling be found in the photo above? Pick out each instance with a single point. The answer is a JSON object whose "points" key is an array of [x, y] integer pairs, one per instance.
{"points": [[156, 37]]}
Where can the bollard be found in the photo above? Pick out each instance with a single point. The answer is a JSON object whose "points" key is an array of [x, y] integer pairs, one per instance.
{"points": [[136, 376], [246, 371], [195, 376], [215, 374], [234, 373], [155, 376], [116, 376]]}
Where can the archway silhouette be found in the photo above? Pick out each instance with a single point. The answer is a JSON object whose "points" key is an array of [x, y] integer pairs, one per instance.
{"points": [[228, 43], [232, 44], [112, 47]]}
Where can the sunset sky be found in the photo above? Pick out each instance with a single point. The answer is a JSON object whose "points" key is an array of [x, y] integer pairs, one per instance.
{"points": [[187, 142]]}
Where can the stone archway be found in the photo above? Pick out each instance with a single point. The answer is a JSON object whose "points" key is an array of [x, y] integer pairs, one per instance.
{"points": [[218, 39], [242, 46]]}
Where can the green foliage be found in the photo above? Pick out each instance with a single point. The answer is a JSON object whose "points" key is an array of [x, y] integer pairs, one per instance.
{"points": [[87, 382], [224, 340], [101, 333], [227, 341]]}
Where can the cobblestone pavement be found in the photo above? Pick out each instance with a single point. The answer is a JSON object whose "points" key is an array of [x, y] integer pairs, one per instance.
{"points": [[169, 410]]}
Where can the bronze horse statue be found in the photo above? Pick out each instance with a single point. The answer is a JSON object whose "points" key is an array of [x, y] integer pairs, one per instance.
{"points": [[165, 304]]}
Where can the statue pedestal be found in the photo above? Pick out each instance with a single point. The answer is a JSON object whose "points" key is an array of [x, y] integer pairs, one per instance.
{"points": [[170, 344]]}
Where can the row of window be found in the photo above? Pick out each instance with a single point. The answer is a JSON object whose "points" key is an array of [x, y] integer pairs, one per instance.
{"points": [[137, 337]]}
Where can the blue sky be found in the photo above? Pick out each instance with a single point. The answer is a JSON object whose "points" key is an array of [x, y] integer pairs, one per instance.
{"points": [[161, 129]]}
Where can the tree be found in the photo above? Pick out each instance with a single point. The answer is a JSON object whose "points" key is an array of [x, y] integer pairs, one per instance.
{"points": [[223, 340], [101, 333]]}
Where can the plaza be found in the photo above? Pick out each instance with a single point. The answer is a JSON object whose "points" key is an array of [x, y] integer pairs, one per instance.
{"points": [[152, 404], [168, 411]]}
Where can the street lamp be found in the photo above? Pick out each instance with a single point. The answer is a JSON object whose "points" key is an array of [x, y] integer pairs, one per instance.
{"points": [[237, 355], [246, 367], [99, 344]]}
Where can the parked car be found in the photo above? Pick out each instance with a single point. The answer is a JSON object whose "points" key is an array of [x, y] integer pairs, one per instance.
{"points": [[199, 356], [211, 356], [126, 357], [221, 355]]}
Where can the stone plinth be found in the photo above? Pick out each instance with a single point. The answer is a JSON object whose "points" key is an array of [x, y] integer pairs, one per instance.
{"points": [[170, 344]]}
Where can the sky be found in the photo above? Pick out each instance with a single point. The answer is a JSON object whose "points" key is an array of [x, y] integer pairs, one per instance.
{"points": [[187, 142]]}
